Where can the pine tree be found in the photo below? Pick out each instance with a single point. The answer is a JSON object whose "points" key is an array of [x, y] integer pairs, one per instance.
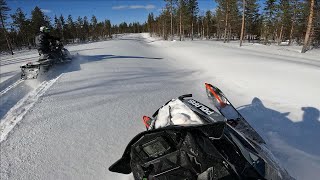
{"points": [[293, 13], [170, 6], [85, 28], [108, 27], [70, 29], [234, 20], [193, 9], [252, 19], [227, 12], [19, 20], [243, 21], [208, 23], [306, 43], [63, 27], [79, 28], [150, 22], [22, 25], [219, 18], [228, 9], [38, 19], [4, 9], [57, 26], [316, 41], [93, 27], [164, 21], [270, 11], [284, 18], [182, 11]]}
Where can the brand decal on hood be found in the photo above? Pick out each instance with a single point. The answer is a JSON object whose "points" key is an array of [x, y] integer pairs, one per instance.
{"points": [[200, 106]]}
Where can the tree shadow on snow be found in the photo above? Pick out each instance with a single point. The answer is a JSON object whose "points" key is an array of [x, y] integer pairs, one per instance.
{"points": [[102, 84], [87, 49], [109, 56], [302, 135]]}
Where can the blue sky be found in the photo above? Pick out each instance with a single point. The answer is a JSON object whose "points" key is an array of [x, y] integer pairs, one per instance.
{"points": [[115, 10]]}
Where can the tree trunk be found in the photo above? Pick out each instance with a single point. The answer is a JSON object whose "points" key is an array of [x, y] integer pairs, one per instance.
{"points": [[192, 29], [207, 29], [171, 20], [180, 26], [280, 36], [203, 30], [275, 35], [218, 31], [229, 33], [199, 33], [202, 27], [163, 31], [226, 22], [243, 19], [293, 23], [183, 32], [309, 27], [291, 34]]}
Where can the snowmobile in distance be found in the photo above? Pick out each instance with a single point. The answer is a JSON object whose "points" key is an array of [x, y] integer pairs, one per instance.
{"points": [[186, 139], [58, 54]]}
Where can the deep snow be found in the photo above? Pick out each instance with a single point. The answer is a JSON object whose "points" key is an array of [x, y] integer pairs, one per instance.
{"points": [[81, 123]]}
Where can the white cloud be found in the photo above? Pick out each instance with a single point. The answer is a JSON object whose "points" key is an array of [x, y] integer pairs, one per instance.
{"points": [[119, 7], [46, 10], [147, 7], [136, 7], [150, 6]]}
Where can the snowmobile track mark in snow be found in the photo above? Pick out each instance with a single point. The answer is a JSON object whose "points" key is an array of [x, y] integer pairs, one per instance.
{"points": [[17, 112], [11, 87]]}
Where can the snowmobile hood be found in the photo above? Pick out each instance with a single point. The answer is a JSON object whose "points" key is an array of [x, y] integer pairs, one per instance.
{"points": [[214, 130], [171, 148]]}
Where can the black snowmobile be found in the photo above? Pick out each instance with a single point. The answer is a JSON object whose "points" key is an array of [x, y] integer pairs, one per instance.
{"points": [[58, 54], [212, 146]]}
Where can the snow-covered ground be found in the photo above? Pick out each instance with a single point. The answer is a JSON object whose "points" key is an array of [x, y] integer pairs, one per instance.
{"points": [[74, 123]]}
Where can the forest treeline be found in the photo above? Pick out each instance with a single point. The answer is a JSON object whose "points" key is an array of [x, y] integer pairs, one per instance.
{"points": [[21, 31], [277, 21]]}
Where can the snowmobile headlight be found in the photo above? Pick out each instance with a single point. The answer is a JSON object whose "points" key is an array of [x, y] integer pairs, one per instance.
{"points": [[156, 147]]}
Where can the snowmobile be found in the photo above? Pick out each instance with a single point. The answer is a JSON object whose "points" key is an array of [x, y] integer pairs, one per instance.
{"points": [[186, 139], [58, 54]]}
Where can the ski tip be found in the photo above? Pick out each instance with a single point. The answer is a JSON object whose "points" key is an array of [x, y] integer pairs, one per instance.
{"points": [[146, 121], [214, 92], [208, 85]]}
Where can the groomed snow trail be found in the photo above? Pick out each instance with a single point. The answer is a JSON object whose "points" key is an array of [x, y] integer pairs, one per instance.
{"points": [[83, 122], [80, 123]]}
